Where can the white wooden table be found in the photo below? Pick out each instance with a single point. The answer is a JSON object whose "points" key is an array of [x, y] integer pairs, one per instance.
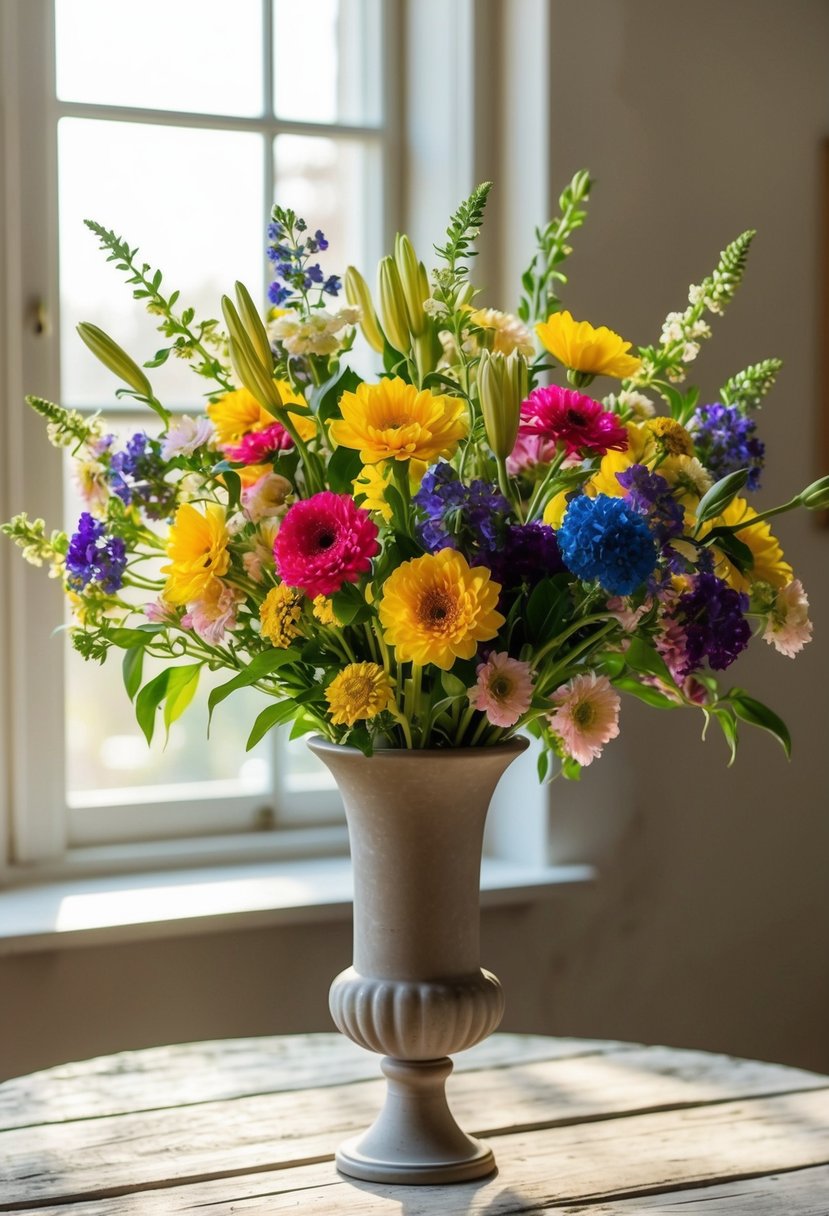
{"points": [[249, 1127]]}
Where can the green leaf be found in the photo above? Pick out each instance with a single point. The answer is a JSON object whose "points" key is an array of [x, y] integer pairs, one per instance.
{"points": [[736, 550], [347, 603], [548, 607], [148, 701], [758, 714], [274, 715], [645, 659], [181, 688], [651, 696], [343, 467], [128, 638], [570, 769], [260, 666], [724, 491], [452, 686], [234, 488], [728, 726], [542, 765], [132, 667], [325, 400]]}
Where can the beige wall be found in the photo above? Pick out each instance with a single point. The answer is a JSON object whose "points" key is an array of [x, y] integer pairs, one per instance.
{"points": [[710, 926]]}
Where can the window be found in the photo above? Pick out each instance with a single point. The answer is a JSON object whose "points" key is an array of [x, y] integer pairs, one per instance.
{"points": [[177, 125]]}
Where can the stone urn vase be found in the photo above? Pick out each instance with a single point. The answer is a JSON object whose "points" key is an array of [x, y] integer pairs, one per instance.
{"points": [[416, 992]]}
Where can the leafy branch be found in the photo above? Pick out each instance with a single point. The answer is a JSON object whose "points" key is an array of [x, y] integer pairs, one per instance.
{"points": [[188, 341], [463, 229], [539, 279]]}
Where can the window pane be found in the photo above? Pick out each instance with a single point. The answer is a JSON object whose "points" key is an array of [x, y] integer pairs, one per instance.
{"points": [[327, 60], [201, 56], [191, 200], [334, 184]]}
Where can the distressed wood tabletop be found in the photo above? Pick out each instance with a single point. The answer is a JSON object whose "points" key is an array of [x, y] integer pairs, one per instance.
{"points": [[578, 1126]]}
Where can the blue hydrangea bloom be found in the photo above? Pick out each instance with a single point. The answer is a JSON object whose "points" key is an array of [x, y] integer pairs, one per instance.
{"points": [[711, 614], [603, 538], [456, 516], [93, 556], [725, 441]]}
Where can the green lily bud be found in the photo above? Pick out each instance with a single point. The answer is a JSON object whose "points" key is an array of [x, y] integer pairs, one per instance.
{"points": [[816, 496], [246, 363], [254, 326], [466, 295], [502, 386], [114, 358], [409, 269], [393, 316], [358, 294]]}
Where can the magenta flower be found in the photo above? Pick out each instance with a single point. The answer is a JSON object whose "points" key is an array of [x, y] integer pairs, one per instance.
{"points": [[504, 689], [570, 419], [257, 446], [586, 716], [324, 542]]}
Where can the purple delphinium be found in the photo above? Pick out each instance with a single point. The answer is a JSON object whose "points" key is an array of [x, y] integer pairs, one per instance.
{"points": [[529, 553], [651, 497], [456, 516], [290, 255], [603, 538], [711, 616], [137, 476], [93, 556], [725, 441]]}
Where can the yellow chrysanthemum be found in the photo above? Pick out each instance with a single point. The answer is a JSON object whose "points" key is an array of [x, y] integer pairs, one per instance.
{"points": [[371, 485], [508, 332], [238, 413], [323, 610], [768, 565], [279, 614], [360, 691], [670, 436], [197, 545], [576, 344], [393, 420], [436, 609]]}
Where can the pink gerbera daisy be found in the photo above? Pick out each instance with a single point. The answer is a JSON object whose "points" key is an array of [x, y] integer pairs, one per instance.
{"points": [[570, 419], [586, 717], [504, 689], [256, 446], [324, 541]]}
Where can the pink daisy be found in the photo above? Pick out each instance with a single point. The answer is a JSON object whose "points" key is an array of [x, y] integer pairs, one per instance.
{"points": [[325, 541], [586, 717], [788, 628], [256, 446], [504, 689], [569, 418]]}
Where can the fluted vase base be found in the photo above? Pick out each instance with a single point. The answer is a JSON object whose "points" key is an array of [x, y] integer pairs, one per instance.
{"points": [[415, 1139]]}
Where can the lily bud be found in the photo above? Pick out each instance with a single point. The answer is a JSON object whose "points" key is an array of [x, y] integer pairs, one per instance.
{"points": [[393, 315], [816, 496], [358, 294], [409, 269], [502, 386], [256, 378], [114, 358], [465, 295], [254, 326]]}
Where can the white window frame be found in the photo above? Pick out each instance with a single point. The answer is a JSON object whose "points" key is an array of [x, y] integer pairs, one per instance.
{"points": [[470, 106]]}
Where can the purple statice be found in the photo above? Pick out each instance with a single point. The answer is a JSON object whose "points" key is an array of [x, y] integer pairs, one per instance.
{"points": [[651, 497], [470, 518], [94, 557], [138, 476], [711, 616], [725, 441], [605, 540], [527, 554]]}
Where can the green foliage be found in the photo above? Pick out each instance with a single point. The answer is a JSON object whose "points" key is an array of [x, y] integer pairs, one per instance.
{"points": [[542, 275], [747, 388], [723, 492], [66, 428], [463, 229]]}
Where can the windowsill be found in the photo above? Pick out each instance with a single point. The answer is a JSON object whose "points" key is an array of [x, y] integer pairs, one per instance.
{"points": [[94, 911]]}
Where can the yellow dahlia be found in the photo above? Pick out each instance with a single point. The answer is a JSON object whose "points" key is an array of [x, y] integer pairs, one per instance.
{"points": [[238, 413], [361, 690], [768, 565], [279, 614], [576, 344], [436, 609], [197, 545], [393, 420]]}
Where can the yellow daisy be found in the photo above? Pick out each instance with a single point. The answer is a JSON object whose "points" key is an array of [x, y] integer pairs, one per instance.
{"points": [[279, 614], [436, 609], [576, 344], [393, 420], [197, 545], [361, 690], [768, 565]]}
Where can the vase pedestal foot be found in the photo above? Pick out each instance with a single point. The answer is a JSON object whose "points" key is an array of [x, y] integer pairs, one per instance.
{"points": [[415, 1139]]}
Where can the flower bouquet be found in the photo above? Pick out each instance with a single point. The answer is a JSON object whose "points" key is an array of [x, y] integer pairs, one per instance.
{"points": [[420, 567], [466, 546]]}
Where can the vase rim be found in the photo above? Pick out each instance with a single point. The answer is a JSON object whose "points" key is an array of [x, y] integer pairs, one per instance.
{"points": [[513, 746]]}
